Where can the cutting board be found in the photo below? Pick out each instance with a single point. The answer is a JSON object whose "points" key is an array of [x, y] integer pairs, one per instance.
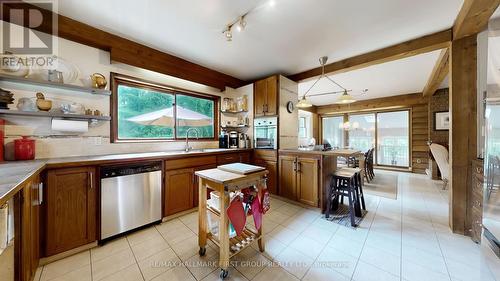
{"points": [[240, 168]]}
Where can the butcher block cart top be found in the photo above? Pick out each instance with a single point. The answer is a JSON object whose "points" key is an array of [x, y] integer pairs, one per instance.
{"points": [[225, 182]]}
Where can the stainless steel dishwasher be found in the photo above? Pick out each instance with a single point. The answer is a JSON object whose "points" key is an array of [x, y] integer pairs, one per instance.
{"points": [[130, 197]]}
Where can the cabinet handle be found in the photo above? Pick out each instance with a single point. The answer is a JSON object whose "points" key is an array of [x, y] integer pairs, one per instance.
{"points": [[299, 167], [295, 165], [40, 193], [91, 175]]}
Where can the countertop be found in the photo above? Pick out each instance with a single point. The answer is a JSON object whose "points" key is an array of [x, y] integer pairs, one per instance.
{"points": [[14, 173], [336, 152]]}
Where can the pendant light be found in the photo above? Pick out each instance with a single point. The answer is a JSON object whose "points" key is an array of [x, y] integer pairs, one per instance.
{"points": [[346, 98], [303, 103]]}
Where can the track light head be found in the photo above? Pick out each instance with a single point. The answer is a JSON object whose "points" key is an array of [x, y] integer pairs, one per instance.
{"points": [[228, 34], [241, 24]]}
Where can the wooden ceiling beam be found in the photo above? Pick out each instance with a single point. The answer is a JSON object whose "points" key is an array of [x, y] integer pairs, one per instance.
{"points": [[409, 48], [473, 17], [129, 52], [439, 72], [391, 102]]}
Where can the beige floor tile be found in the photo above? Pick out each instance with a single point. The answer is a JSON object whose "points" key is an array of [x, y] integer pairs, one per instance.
{"points": [[149, 247], [250, 262], [324, 273], [81, 274], [415, 272], [158, 264], [340, 261], [142, 236], [308, 246], [346, 244], [189, 247], [273, 247], [318, 234], [131, 273], [274, 274], [112, 264], [234, 275], [284, 235], [189, 218], [294, 262], [109, 249], [382, 259], [200, 267], [175, 233], [61, 267], [179, 273], [367, 272], [288, 209]]}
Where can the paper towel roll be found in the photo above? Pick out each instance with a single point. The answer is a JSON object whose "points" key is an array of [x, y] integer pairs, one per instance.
{"points": [[70, 126]]}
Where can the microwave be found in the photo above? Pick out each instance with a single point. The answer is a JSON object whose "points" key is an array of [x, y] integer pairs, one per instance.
{"points": [[266, 132]]}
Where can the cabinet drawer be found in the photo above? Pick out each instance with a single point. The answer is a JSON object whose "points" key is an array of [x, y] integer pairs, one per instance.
{"points": [[266, 154], [228, 158], [189, 162]]}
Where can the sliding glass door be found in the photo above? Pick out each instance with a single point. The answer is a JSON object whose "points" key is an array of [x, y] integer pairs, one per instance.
{"points": [[393, 138], [362, 131], [333, 132]]}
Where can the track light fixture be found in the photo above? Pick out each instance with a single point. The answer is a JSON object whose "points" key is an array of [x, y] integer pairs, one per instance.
{"points": [[240, 22]]}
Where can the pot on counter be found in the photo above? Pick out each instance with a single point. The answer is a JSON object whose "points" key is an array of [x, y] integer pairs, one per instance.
{"points": [[24, 148]]}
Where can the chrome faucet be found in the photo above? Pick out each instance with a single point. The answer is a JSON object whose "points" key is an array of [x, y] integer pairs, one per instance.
{"points": [[187, 148]]}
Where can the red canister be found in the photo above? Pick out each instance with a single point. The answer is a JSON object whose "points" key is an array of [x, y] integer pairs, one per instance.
{"points": [[2, 135], [24, 149]]}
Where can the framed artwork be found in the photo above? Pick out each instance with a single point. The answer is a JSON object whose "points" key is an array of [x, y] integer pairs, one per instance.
{"points": [[442, 121]]}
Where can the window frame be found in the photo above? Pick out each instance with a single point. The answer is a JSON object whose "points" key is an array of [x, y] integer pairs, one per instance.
{"points": [[120, 79]]}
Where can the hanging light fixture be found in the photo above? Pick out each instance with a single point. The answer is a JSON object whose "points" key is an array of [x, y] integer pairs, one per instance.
{"points": [[345, 98], [241, 24], [303, 102]]}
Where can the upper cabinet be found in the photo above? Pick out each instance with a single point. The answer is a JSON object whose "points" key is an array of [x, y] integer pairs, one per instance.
{"points": [[266, 97]]}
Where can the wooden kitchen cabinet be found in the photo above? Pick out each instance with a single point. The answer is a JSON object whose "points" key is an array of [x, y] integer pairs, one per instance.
{"points": [[179, 194], [299, 178], [70, 205], [272, 168], [28, 246], [266, 97], [288, 177], [307, 181]]}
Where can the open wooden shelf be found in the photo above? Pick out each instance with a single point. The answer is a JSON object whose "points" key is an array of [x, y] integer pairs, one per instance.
{"points": [[234, 127], [22, 80], [53, 115]]}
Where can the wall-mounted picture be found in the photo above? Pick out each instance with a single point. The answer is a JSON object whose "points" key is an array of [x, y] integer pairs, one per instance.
{"points": [[442, 121]]}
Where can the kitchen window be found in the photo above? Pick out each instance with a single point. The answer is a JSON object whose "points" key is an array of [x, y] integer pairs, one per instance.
{"points": [[145, 111]]}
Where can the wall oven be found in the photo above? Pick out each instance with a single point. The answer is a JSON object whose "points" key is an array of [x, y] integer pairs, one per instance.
{"points": [[266, 133]]}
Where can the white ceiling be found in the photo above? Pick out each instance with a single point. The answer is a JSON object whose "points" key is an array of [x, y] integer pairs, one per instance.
{"points": [[398, 77], [287, 38]]}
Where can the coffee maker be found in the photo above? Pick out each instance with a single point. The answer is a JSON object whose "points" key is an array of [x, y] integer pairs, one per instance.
{"points": [[233, 139], [223, 139]]}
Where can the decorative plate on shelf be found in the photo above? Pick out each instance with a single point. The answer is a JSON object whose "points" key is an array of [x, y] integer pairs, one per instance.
{"points": [[70, 71], [15, 68]]}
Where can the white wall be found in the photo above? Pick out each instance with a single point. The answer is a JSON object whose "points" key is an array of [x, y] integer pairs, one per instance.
{"points": [[97, 141]]}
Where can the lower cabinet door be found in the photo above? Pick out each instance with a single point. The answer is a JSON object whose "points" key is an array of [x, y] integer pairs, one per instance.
{"points": [[70, 209], [288, 178], [307, 181], [272, 176], [178, 190]]}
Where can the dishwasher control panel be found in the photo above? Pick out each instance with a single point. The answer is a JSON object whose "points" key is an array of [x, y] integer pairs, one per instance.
{"points": [[124, 170]]}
